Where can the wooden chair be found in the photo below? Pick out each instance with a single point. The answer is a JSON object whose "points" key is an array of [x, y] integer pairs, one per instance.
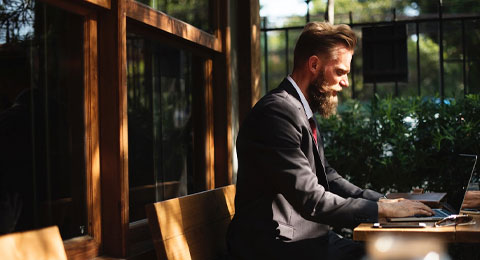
{"points": [[41, 244], [194, 226]]}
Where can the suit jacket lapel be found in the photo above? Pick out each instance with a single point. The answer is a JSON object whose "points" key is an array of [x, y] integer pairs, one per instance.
{"points": [[319, 144], [318, 148], [287, 86]]}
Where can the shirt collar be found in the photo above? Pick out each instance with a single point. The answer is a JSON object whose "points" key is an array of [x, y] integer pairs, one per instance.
{"points": [[306, 106]]}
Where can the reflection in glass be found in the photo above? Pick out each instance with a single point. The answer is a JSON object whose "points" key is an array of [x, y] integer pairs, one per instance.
{"points": [[42, 161], [194, 12], [159, 123]]}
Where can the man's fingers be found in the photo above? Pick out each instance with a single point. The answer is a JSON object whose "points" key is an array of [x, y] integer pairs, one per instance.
{"points": [[424, 208], [425, 212], [417, 207]]}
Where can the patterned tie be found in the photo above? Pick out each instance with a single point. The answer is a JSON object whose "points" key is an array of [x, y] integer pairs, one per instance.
{"points": [[313, 126]]}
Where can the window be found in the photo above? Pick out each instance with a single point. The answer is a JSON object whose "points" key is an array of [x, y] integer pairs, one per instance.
{"points": [[160, 123], [42, 132], [78, 96], [194, 12]]}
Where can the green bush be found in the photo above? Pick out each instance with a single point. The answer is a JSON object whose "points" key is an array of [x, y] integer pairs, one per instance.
{"points": [[397, 144]]}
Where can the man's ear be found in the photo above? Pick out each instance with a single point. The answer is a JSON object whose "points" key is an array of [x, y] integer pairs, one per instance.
{"points": [[314, 64]]}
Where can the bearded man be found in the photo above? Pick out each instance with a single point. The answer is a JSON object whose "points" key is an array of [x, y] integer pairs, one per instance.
{"points": [[288, 195]]}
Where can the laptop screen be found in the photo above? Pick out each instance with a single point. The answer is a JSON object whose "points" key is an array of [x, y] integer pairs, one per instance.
{"points": [[463, 170], [474, 183]]}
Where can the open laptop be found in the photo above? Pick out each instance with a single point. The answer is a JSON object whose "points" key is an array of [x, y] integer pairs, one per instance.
{"points": [[473, 185], [455, 194]]}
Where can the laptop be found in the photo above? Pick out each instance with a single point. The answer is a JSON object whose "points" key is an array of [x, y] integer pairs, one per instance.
{"points": [[455, 193], [474, 185]]}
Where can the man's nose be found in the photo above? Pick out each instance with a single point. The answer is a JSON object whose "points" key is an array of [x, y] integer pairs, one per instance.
{"points": [[344, 82]]}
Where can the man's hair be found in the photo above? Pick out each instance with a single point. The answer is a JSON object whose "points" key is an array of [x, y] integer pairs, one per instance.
{"points": [[319, 38]]}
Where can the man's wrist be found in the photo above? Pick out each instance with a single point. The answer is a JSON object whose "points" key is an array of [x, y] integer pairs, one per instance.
{"points": [[383, 209]]}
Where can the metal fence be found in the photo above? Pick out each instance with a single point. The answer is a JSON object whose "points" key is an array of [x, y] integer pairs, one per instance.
{"points": [[443, 57]]}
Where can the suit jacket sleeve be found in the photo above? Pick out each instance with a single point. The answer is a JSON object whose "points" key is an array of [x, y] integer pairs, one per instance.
{"points": [[276, 145], [346, 189], [339, 185]]}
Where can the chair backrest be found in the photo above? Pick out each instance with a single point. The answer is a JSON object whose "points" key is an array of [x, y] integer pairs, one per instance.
{"points": [[41, 244], [194, 226]]}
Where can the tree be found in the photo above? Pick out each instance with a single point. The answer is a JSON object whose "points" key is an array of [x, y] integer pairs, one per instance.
{"points": [[15, 16]]}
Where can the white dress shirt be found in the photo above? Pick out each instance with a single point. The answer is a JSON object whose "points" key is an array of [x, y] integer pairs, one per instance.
{"points": [[308, 110]]}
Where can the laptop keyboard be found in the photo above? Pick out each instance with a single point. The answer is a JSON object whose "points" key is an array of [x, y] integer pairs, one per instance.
{"points": [[441, 213]]}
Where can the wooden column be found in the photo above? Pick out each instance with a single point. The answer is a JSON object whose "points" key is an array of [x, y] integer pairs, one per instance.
{"points": [[113, 130], [92, 128], [222, 97], [249, 65], [203, 125], [208, 118]]}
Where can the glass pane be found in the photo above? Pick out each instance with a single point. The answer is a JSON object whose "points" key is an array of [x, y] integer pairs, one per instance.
{"points": [[42, 158], [277, 67], [194, 12], [159, 123]]}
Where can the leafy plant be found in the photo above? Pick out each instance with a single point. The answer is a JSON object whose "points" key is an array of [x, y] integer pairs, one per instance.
{"points": [[396, 144]]}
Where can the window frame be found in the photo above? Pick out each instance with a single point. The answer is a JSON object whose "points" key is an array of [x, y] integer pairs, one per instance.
{"points": [[88, 246], [105, 113], [119, 236], [204, 52], [171, 26]]}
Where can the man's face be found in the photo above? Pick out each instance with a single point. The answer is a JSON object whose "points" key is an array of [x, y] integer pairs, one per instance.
{"points": [[330, 80]]}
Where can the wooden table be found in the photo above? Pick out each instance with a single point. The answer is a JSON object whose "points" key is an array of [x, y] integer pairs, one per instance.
{"points": [[469, 233], [450, 234]]}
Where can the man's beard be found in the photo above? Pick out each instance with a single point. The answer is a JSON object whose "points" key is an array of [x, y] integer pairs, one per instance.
{"points": [[321, 100]]}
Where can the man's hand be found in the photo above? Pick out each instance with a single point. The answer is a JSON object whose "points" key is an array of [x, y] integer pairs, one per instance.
{"points": [[472, 200], [402, 208], [382, 200]]}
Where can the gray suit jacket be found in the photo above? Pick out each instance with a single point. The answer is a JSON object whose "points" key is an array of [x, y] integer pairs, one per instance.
{"points": [[286, 190]]}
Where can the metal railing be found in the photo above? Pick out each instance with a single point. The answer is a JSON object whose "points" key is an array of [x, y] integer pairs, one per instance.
{"points": [[440, 19]]}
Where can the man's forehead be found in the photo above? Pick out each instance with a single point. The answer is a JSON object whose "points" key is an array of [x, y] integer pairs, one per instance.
{"points": [[341, 51], [341, 57]]}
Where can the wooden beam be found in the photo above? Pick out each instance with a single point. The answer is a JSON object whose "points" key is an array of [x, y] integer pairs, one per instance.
{"points": [[73, 7], [113, 131], [222, 97], [166, 23], [81, 7], [209, 126], [102, 3], [249, 65], [203, 125], [92, 145]]}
